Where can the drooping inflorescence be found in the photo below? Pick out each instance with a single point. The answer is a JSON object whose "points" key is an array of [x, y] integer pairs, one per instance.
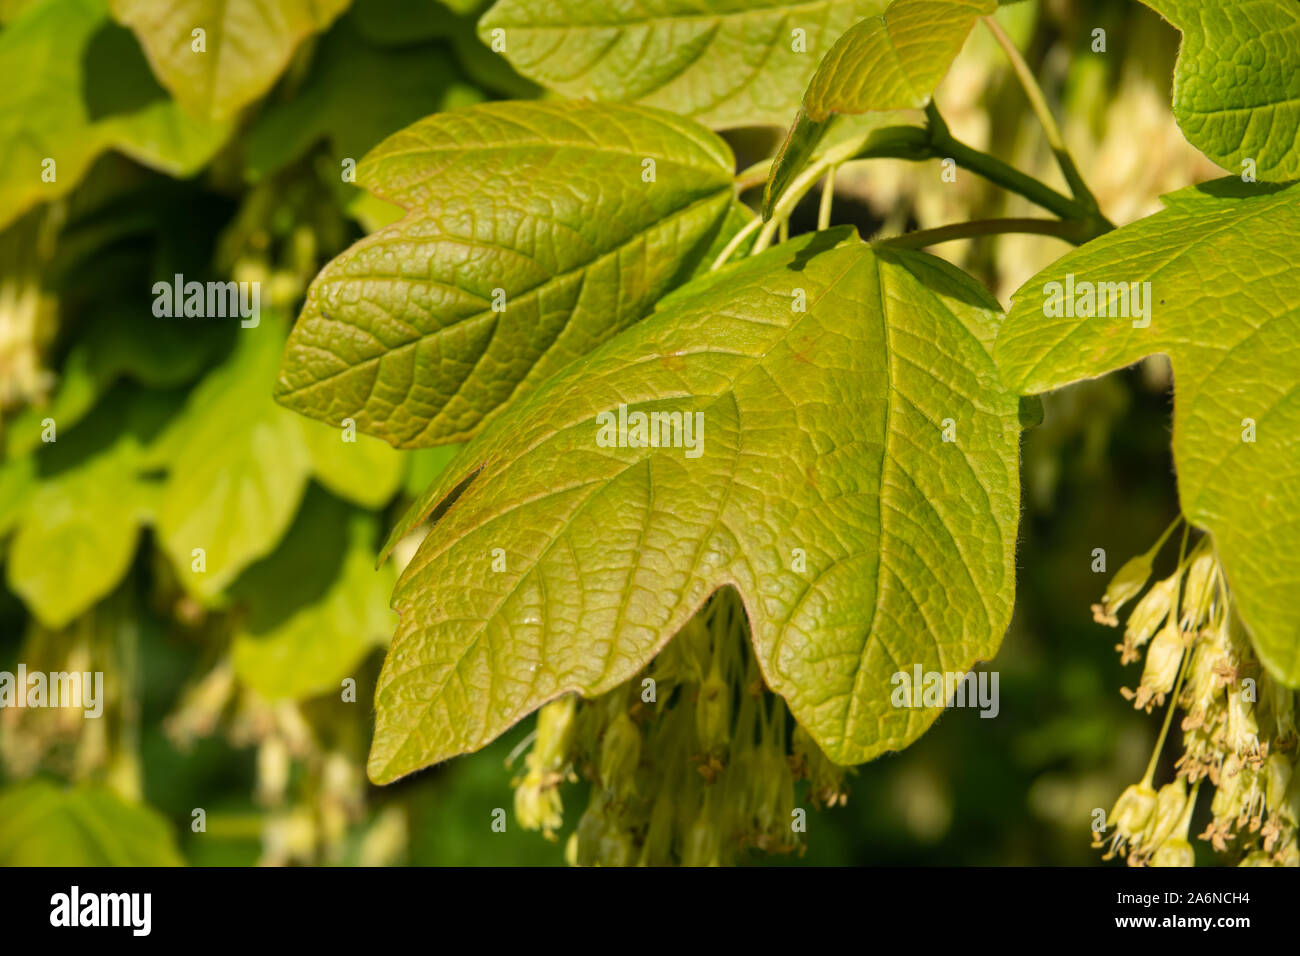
{"points": [[692, 761], [1238, 723]]}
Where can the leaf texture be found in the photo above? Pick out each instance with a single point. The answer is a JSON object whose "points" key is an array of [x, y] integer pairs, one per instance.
{"points": [[822, 435], [725, 63], [1224, 302], [534, 232], [1237, 82]]}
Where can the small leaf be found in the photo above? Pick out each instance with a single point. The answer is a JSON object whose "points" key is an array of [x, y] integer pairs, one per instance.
{"points": [[354, 96], [362, 469], [318, 605], [533, 234], [893, 61], [889, 62], [1223, 302], [237, 467], [73, 90], [42, 824], [725, 63], [17, 481], [76, 532], [738, 217], [120, 342], [565, 563], [245, 45], [1237, 82]]}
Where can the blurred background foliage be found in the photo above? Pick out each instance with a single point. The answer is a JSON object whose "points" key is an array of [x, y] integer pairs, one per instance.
{"points": [[225, 689]]}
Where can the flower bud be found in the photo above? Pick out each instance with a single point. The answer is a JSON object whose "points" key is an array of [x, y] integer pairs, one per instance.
{"points": [[555, 729], [713, 712], [1171, 800], [273, 767], [1227, 793], [1277, 777], [1281, 704], [1163, 658], [1202, 691], [1148, 614], [703, 842], [774, 796], [657, 849], [1174, 852], [615, 847], [1127, 583], [538, 806], [1133, 809], [1198, 587], [1241, 731], [695, 644], [587, 836], [620, 752], [1257, 858]]}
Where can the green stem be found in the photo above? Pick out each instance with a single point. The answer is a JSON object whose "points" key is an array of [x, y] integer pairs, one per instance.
{"points": [[800, 185], [1178, 681], [735, 242], [945, 146], [755, 175], [828, 197], [1155, 548], [1074, 232], [1039, 104]]}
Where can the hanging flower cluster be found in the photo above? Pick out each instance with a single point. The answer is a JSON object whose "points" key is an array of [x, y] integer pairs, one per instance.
{"points": [[1238, 724], [692, 761]]}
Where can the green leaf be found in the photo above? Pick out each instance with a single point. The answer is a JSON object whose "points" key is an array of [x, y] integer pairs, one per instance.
{"points": [[318, 606], [76, 533], [120, 342], [1224, 305], [238, 465], [889, 62], [357, 467], [489, 70], [542, 203], [73, 89], [135, 115], [42, 824], [9, 9], [823, 430], [1237, 81], [894, 61], [354, 97], [17, 480], [246, 45], [738, 217], [725, 63]]}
